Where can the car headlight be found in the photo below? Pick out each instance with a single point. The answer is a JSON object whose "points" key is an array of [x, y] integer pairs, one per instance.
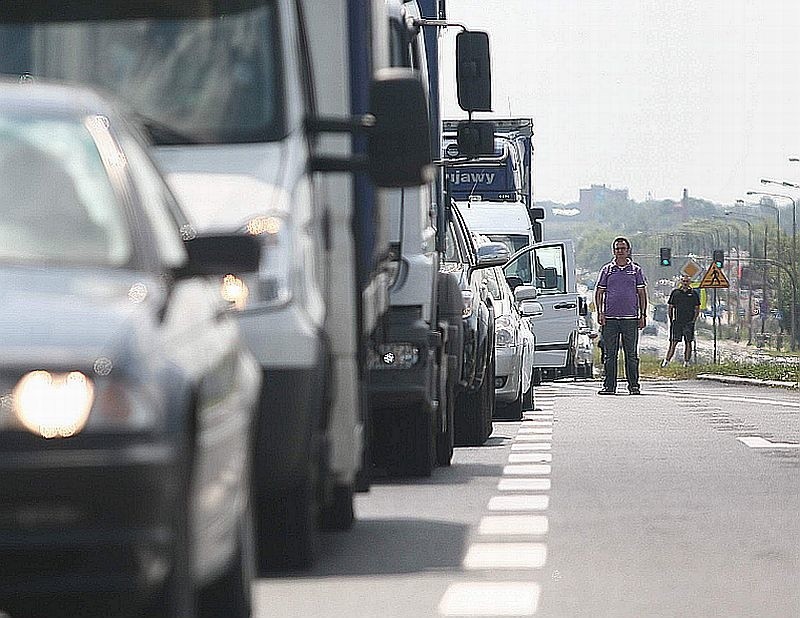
{"points": [[60, 405], [53, 405], [393, 356], [469, 299], [271, 285], [505, 332]]}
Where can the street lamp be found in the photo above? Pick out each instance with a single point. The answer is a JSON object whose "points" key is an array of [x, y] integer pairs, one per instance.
{"points": [[767, 181]]}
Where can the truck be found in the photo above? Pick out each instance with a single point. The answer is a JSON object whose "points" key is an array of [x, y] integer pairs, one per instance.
{"points": [[276, 118], [502, 176], [416, 373]]}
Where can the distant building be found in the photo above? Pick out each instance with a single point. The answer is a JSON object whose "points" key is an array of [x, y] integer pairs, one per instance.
{"points": [[598, 195]]}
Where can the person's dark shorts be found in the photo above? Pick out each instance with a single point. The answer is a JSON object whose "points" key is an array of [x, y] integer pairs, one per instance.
{"points": [[681, 331]]}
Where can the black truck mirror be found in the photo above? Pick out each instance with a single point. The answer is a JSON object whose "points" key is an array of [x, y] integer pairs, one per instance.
{"points": [[398, 148], [475, 138], [473, 71]]}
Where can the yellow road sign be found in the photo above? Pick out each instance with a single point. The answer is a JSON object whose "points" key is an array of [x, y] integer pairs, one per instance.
{"points": [[691, 268], [714, 278]]}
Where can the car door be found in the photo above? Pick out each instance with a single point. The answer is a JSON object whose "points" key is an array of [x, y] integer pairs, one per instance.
{"points": [[550, 266]]}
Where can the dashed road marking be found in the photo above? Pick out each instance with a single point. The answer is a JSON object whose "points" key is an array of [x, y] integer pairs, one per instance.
{"points": [[505, 556], [530, 458], [535, 525], [490, 599], [531, 446], [759, 442], [524, 485], [531, 437], [526, 469], [541, 430], [519, 503]]}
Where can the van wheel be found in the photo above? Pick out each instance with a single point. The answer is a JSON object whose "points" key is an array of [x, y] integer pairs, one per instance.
{"points": [[527, 398]]}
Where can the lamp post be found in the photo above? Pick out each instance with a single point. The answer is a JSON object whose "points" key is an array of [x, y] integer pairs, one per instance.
{"points": [[750, 285], [767, 181]]}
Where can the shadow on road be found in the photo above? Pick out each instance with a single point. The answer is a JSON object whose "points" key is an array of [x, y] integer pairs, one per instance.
{"points": [[390, 546], [454, 474]]}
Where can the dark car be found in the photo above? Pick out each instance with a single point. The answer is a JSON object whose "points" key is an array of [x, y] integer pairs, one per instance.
{"points": [[475, 399], [126, 395]]}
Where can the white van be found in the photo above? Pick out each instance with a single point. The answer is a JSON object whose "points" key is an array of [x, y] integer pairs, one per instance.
{"points": [[548, 266]]}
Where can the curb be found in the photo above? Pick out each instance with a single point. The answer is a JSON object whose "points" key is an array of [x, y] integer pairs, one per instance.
{"points": [[752, 381]]}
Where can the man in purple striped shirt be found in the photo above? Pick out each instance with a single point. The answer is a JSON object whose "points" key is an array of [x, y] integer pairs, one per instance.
{"points": [[621, 300]]}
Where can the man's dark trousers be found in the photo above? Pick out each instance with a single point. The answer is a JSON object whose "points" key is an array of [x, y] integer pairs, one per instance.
{"points": [[628, 329]]}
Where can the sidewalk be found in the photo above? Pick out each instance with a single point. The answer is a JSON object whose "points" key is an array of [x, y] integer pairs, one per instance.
{"points": [[715, 377]]}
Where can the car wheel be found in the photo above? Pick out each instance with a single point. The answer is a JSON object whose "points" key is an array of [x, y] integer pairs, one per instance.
{"points": [[471, 415], [527, 398], [445, 439], [229, 594], [339, 514], [287, 528]]}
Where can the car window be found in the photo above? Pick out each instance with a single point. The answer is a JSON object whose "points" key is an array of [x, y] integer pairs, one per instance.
{"points": [[57, 203]]}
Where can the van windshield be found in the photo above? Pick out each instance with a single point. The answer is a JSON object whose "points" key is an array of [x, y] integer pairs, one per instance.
{"points": [[196, 79]]}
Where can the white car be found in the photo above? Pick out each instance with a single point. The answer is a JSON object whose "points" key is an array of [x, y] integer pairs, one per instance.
{"points": [[514, 350]]}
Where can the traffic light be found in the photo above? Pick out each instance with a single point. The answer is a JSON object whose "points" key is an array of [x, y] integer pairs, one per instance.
{"points": [[719, 257], [666, 256]]}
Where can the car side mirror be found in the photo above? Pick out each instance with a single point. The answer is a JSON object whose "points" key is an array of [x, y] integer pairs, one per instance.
{"points": [[525, 292], [399, 147], [221, 254], [531, 308], [513, 281], [492, 254]]}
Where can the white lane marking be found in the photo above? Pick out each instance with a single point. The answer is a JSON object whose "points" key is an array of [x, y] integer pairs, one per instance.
{"points": [[541, 423], [505, 556], [490, 599], [543, 430], [759, 442], [526, 469], [531, 437], [538, 416], [524, 485], [530, 446], [499, 525], [530, 458], [519, 503]]}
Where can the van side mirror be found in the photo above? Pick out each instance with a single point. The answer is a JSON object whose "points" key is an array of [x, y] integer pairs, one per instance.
{"points": [[398, 147], [473, 71], [513, 281]]}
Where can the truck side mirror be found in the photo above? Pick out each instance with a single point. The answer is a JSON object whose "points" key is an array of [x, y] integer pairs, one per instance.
{"points": [[473, 71], [475, 138], [399, 150]]}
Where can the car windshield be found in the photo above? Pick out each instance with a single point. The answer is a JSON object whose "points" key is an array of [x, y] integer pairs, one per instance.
{"points": [[192, 80], [56, 200]]}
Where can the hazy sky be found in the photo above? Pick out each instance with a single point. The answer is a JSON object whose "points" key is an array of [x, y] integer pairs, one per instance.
{"points": [[649, 95]]}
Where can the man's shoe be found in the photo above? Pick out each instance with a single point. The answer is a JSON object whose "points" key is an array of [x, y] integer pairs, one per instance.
{"points": [[634, 391], [605, 391], [664, 362], [685, 363]]}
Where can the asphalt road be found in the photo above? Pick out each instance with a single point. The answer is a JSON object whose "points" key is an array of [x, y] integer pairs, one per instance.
{"points": [[681, 502]]}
